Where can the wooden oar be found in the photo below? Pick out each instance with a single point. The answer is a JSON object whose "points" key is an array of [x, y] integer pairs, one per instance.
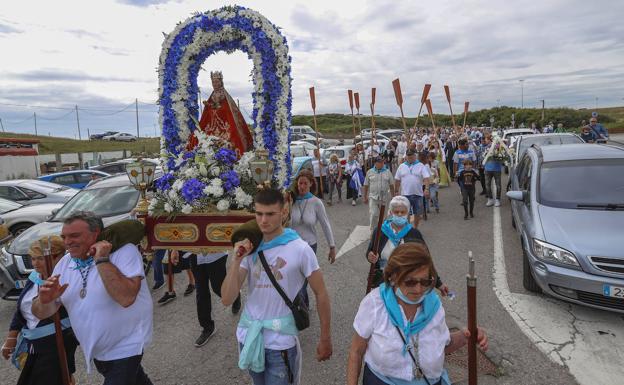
{"points": [[447, 91], [350, 93], [372, 270], [58, 329], [423, 98], [356, 98], [466, 104], [398, 95], [430, 111], [318, 146]]}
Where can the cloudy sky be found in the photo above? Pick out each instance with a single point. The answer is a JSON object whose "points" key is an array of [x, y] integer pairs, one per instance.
{"points": [[102, 55]]}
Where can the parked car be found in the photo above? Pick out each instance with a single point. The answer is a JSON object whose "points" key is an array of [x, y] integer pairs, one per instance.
{"points": [[32, 191], [306, 137], [303, 130], [525, 141], [300, 163], [568, 207], [18, 217], [301, 149], [511, 134], [341, 151], [119, 166], [77, 178], [111, 198], [120, 137], [100, 136]]}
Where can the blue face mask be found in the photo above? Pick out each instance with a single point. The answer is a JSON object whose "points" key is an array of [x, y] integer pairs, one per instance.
{"points": [[399, 221], [404, 298]]}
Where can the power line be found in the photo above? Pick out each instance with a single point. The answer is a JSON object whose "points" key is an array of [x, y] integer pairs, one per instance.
{"points": [[57, 118], [73, 108]]}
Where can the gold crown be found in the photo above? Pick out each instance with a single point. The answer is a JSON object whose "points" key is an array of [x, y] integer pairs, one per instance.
{"points": [[216, 75]]}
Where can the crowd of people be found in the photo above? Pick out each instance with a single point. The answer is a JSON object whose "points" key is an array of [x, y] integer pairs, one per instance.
{"points": [[98, 285]]}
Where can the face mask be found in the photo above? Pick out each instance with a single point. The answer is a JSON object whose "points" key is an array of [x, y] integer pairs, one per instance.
{"points": [[404, 298], [399, 220]]}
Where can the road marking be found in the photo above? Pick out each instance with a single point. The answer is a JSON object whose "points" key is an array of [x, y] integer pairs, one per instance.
{"points": [[588, 342], [359, 235]]}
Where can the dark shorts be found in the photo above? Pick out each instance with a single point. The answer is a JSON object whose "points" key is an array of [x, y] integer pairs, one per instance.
{"points": [[416, 204]]}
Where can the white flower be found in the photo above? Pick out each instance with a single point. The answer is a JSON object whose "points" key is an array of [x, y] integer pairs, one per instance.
{"points": [[223, 205], [217, 182], [215, 171], [191, 172], [172, 194], [202, 170], [187, 209], [168, 207], [177, 185], [242, 198]]}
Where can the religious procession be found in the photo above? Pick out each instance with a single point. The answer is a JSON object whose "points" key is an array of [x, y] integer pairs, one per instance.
{"points": [[430, 253]]}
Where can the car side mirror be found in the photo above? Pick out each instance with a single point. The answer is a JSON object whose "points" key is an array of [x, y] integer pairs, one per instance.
{"points": [[518, 195]]}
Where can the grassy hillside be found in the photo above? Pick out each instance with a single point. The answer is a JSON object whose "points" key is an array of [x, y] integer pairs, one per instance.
{"points": [[52, 145]]}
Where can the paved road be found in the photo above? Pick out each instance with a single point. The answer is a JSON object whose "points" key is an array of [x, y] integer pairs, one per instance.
{"points": [[534, 339]]}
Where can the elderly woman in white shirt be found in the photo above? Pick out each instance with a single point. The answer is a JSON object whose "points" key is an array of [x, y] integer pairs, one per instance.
{"points": [[400, 328]]}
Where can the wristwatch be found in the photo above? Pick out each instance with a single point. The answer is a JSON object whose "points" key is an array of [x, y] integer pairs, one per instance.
{"points": [[102, 260]]}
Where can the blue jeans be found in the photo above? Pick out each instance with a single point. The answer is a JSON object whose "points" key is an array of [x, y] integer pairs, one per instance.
{"points": [[158, 267], [416, 204], [275, 370], [124, 371], [433, 194]]}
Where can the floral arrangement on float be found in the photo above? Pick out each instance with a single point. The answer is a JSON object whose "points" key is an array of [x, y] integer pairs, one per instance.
{"points": [[209, 181], [498, 151]]}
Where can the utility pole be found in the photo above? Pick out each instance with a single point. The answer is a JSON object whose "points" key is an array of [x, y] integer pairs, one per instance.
{"points": [[1, 125], [35, 115], [136, 107], [522, 93], [78, 123], [543, 106]]}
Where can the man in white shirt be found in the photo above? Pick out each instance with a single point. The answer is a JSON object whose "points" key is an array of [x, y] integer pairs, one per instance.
{"points": [[266, 332], [412, 181], [401, 149], [378, 189], [106, 297], [320, 173]]}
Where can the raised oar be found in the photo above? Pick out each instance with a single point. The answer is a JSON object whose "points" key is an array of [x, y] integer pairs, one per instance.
{"points": [[447, 91], [318, 145], [423, 98], [356, 97], [372, 270], [430, 111], [466, 104], [396, 85], [350, 93]]}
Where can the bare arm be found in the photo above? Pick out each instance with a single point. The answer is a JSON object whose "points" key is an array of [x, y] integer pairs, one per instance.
{"points": [[236, 275], [460, 339], [356, 356], [122, 289], [324, 348]]}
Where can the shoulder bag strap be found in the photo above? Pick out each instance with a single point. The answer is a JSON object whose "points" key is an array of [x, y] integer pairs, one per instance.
{"points": [[269, 273]]}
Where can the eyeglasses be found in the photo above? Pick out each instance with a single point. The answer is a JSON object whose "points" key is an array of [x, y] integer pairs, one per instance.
{"points": [[424, 282]]}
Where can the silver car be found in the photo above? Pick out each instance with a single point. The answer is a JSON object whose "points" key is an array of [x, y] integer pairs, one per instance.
{"points": [[18, 217], [568, 206], [32, 191], [112, 198]]}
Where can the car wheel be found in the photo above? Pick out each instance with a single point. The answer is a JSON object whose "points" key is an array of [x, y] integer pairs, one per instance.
{"points": [[19, 228], [528, 281]]}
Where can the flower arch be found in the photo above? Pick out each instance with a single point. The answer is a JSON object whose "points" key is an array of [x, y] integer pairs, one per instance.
{"points": [[227, 29]]}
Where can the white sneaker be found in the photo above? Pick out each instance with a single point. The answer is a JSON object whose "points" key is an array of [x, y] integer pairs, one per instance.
{"points": [[490, 202], [497, 203], [353, 203]]}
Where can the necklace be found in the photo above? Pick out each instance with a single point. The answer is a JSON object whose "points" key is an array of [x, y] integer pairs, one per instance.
{"points": [[302, 210], [84, 273]]}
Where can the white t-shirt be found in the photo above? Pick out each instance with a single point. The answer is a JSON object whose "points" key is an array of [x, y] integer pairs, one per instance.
{"points": [[317, 169], [290, 264], [105, 329], [26, 307], [384, 353], [411, 178]]}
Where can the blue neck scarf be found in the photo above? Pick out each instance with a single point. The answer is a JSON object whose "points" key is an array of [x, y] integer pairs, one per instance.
{"points": [[379, 171], [35, 278], [429, 307], [408, 164], [395, 237], [82, 263], [287, 236], [307, 195]]}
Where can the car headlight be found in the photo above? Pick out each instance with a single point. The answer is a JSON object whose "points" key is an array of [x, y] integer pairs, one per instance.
{"points": [[5, 258], [551, 253]]}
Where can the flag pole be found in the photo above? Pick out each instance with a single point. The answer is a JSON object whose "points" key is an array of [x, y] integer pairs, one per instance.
{"points": [[318, 146]]}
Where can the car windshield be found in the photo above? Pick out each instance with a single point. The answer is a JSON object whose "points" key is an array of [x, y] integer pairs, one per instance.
{"points": [[530, 140], [567, 184], [104, 202], [297, 151]]}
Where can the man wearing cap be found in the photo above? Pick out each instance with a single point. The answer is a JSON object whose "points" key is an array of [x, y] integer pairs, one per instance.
{"points": [[378, 188], [600, 132], [412, 181]]}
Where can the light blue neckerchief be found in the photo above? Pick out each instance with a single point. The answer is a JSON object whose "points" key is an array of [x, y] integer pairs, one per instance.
{"points": [[379, 171], [307, 195], [428, 308], [35, 278], [288, 235], [252, 355], [411, 164], [395, 237], [82, 263]]}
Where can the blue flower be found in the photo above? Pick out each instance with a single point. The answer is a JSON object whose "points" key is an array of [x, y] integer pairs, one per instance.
{"points": [[226, 156], [164, 182], [230, 180], [192, 190]]}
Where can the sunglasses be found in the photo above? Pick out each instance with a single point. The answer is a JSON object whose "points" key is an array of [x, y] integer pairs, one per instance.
{"points": [[424, 282]]}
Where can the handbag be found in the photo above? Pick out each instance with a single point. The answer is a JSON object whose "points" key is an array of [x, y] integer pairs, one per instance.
{"points": [[299, 310]]}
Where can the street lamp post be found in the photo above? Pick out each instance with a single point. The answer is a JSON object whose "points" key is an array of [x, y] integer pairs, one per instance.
{"points": [[522, 93]]}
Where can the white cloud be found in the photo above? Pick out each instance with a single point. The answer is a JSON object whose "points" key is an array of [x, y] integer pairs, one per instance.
{"points": [[106, 52]]}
